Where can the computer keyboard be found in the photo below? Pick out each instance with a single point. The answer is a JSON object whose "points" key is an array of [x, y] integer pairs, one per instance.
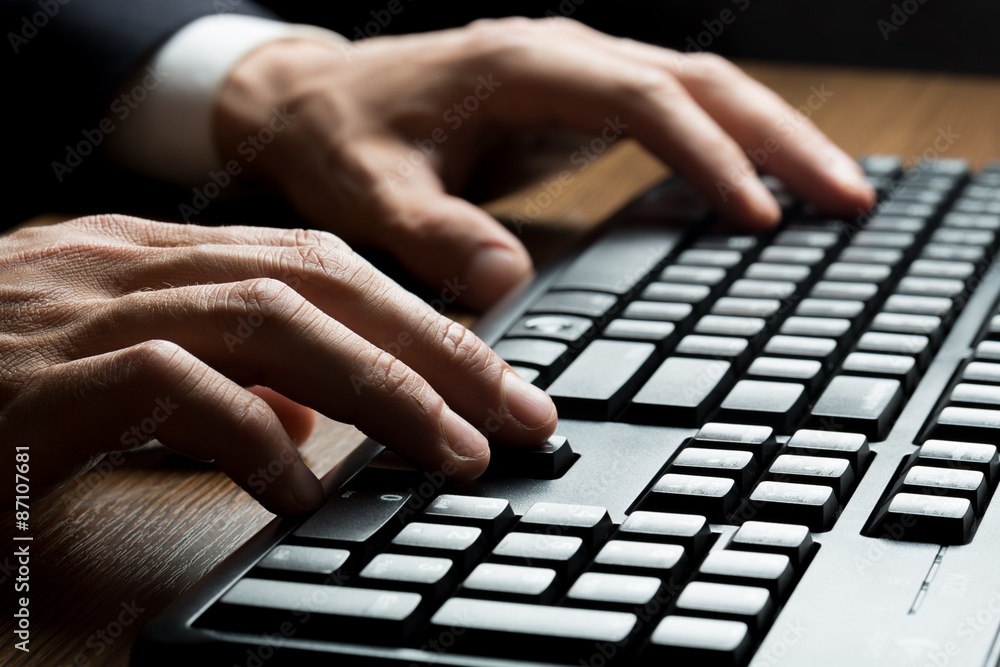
{"points": [[772, 450]]}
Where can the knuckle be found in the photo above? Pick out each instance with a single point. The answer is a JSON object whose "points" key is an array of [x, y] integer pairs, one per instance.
{"points": [[250, 412], [391, 379], [264, 298], [712, 67], [151, 362], [463, 351]]}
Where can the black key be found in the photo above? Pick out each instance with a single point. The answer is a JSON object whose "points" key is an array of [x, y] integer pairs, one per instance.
{"points": [[979, 371], [463, 544], [433, 578], [305, 563], [687, 530], [660, 333], [532, 375], [807, 372], [758, 440], [857, 272], [599, 382], [921, 286], [830, 289], [792, 255], [740, 307], [590, 523], [888, 223], [566, 555], [762, 289], [595, 305], [795, 273], [850, 446], [528, 631], [821, 349], [931, 268], [664, 400], [861, 404], [712, 497], [962, 455], [727, 325], [970, 424], [976, 395], [899, 240], [988, 350], [807, 504], [724, 259], [669, 562], [747, 604], [657, 311], [621, 592], [846, 309], [776, 404], [945, 251], [790, 540], [919, 305], [694, 275], [887, 256], [550, 460], [935, 519], [825, 471], [823, 327], [973, 237], [968, 484], [734, 350], [919, 325], [513, 583], [807, 239], [739, 466], [566, 328], [542, 354], [493, 516], [892, 343], [358, 520], [891, 366], [676, 292], [747, 568], [616, 262], [336, 613], [683, 640]]}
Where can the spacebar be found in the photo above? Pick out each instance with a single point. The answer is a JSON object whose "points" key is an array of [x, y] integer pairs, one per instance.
{"points": [[600, 381], [617, 261]]}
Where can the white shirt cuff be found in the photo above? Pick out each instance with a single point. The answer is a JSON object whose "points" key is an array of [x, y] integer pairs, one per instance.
{"points": [[165, 127]]}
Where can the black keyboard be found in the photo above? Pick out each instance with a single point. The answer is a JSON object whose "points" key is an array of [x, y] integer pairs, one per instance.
{"points": [[772, 450]]}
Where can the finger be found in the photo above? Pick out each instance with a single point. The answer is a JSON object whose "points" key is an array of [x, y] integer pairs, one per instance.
{"points": [[297, 420], [121, 399], [263, 332]]}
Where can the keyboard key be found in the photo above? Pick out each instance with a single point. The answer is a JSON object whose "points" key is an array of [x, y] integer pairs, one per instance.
{"points": [[890, 366], [663, 400], [758, 440], [820, 349], [825, 471], [807, 504], [969, 424], [493, 516], [687, 530], [807, 239], [566, 555], [359, 521], [547, 355], [891, 343], [807, 372], [919, 305], [792, 255], [746, 568], [931, 268], [739, 466], [852, 447], [846, 309], [899, 240], [590, 523], [669, 562], [765, 289], [712, 497], [682, 640], [747, 604], [979, 371], [463, 544], [920, 286], [726, 325], [660, 333], [795, 273], [550, 460], [976, 395], [566, 328], [961, 455], [887, 256], [613, 591], [537, 632], [657, 311], [887, 223], [599, 382], [298, 562], [433, 578], [776, 404], [740, 307], [945, 251], [920, 325], [789, 540], [724, 259], [968, 484], [531, 375], [953, 235], [594, 305], [513, 583], [857, 272], [733, 350], [676, 292], [616, 262], [936, 519], [861, 404], [824, 327], [695, 275], [742, 243], [905, 208], [830, 289], [988, 350]]}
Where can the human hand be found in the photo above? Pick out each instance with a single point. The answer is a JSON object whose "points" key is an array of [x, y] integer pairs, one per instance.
{"points": [[386, 130], [114, 330]]}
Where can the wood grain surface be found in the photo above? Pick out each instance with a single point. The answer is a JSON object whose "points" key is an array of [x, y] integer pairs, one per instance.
{"points": [[113, 547]]}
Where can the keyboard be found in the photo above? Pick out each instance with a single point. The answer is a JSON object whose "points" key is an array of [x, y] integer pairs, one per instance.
{"points": [[772, 450]]}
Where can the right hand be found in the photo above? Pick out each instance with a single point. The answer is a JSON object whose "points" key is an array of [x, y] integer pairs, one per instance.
{"points": [[114, 330]]}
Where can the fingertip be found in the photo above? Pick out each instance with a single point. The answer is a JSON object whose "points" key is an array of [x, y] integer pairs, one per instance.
{"points": [[531, 407], [491, 273]]}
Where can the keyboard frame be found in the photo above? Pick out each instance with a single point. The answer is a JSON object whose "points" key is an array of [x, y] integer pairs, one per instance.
{"points": [[171, 636]]}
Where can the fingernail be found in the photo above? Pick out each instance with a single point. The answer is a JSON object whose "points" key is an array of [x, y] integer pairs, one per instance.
{"points": [[492, 271], [307, 492], [463, 439], [527, 403]]}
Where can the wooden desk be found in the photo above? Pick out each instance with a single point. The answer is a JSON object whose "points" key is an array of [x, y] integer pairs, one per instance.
{"points": [[152, 526]]}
